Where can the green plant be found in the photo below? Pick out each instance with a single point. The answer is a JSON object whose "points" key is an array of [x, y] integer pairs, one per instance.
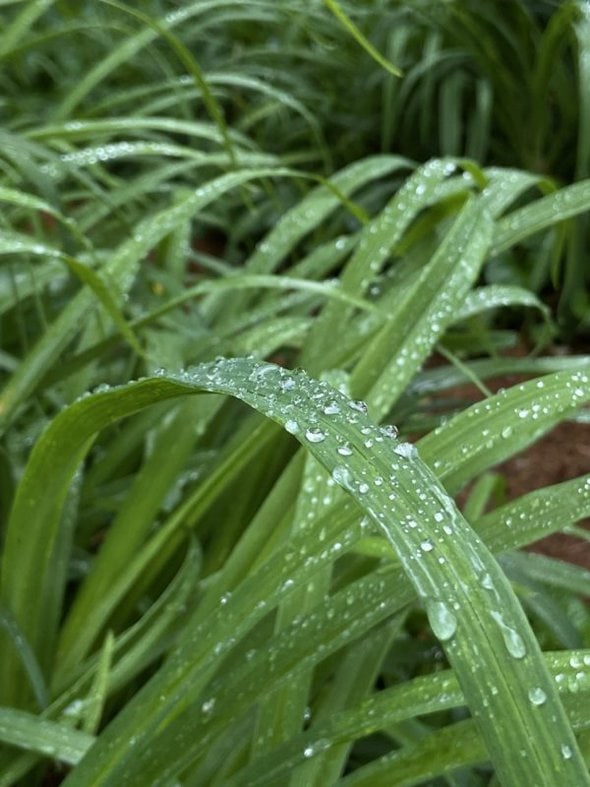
{"points": [[197, 591]]}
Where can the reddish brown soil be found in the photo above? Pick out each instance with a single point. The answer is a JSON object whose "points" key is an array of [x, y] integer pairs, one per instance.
{"points": [[561, 454]]}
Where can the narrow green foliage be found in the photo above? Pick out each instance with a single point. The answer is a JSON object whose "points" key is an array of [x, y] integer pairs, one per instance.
{"points": [[237, 246]]}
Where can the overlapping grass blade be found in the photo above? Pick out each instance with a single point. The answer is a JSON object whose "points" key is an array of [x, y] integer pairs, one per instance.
{"points": [[507, 422], [120, 270], [49, 738], [420, 696], [467, 577]]}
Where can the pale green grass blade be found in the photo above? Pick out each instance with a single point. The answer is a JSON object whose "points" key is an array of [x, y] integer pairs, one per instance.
{"points": [[506, 423], [48, 738], [21, 24], [328, 289], [506, 186], [186, 57], [94, 703], [496, 295], [109, 127], [15, 243], [543, 606], [120, 270], [423, 313], [376, 243], [520, 522], [417, 697], [555, 573], [569, 201], [308, 214], [29, 201], [347, 22], [535, 515], [442, 752], [467, 577], [430, 380], [17, 286], [130, 46], [102, 291]]}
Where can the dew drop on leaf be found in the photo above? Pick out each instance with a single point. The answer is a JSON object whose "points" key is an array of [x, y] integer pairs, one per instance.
{"points": [[442, 621], [315, 435], [407, 450], [343, 477], [537, 696], [512, 639]]}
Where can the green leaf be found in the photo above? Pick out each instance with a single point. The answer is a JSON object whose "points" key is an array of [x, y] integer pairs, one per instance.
{"points": [[470, 604], [48, 738]]}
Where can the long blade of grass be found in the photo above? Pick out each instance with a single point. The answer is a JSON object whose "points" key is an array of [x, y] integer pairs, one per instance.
{"points": [[347, 22], [420, 696], [48, 738], [470, 604], [507, 423]]}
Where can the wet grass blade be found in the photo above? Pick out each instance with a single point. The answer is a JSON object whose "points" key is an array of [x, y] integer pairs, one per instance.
{"points": [[49, 738], [470, 604]]}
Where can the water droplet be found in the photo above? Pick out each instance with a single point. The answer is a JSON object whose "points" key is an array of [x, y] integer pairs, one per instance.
{"points": [[537, 696], [308, 751], [566, 751], [389, 430], [487, 582], [331, 409], [344, 450], [343, 477], [291, 426], [360, 406], [363, 488], [442, 621], [426, 546], [208, 706], [512, 639], [407, 450], [315, 435]]}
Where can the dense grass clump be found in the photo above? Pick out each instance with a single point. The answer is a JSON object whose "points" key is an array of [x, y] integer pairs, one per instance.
{"points": [[244, 268]]}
